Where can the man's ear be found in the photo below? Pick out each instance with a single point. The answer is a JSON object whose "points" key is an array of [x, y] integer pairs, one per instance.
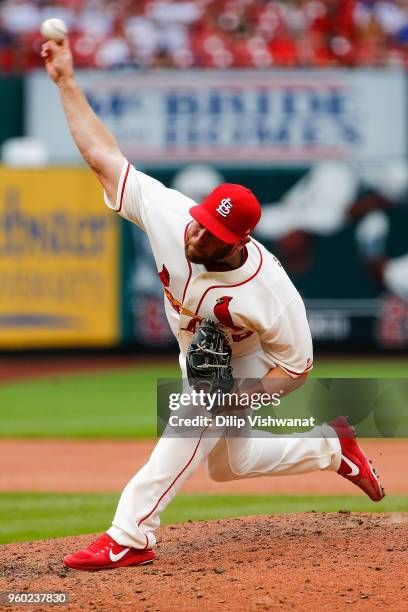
{"points": [[245, 241]]}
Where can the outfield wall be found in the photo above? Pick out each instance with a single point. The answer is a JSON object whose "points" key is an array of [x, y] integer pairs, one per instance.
{"points": [[73, 274], [320, 149], [239, 116], [59, 261], [12, 107]]}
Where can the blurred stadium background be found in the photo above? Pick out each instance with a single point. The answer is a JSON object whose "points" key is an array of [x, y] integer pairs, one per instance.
{"points": [[304, 101]]}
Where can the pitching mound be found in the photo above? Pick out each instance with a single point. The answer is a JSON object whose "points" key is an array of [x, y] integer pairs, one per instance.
{"points": [[300, 561]]}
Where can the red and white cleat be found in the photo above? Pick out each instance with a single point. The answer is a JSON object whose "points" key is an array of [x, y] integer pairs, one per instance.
{"points": [[354, 464], [105, 553]]}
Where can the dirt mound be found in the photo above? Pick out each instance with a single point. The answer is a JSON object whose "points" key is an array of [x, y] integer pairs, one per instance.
{"points": [[255, 563]]}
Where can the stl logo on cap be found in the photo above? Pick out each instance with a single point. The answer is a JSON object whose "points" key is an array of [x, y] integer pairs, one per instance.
{"points": [[228, 212], [224, 207]]}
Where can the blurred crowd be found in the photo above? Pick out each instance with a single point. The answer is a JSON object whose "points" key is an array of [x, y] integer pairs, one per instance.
{"points": [[211, 33]]}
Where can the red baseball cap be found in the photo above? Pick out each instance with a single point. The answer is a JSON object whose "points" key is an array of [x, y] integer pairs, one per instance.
{"points": [[230, 212]]}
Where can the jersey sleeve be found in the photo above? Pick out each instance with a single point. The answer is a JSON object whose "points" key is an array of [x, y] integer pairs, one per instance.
{"points": [[288, 342], [136, 191]]}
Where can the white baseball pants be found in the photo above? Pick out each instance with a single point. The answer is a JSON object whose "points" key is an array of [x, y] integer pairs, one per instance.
{"points": [[174, 459]]}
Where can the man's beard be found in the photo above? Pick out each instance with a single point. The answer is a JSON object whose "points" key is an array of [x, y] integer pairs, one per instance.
{"points": [[207, 260]]}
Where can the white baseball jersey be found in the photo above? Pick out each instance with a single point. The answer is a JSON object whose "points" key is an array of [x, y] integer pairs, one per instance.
{"points": [[257, 305]]}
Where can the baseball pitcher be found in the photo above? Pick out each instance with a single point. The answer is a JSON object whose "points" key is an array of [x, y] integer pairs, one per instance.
{"points": [[224, 285]]}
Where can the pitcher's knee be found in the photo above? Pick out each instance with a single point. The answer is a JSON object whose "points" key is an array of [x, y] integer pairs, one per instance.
{"points": [[239, 471], [217, 474], [226, 472]]}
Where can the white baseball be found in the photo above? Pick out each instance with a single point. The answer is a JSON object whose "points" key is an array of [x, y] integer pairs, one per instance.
{"points": [[54, 29]]}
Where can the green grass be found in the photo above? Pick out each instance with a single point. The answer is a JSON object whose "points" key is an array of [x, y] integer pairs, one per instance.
{"points": [[361, 368], [112, 404], [34, 516], [122, 404]]}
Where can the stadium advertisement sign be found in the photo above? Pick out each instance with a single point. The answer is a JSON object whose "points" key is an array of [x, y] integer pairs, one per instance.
{"points": [[235, 116], [58, 261]]}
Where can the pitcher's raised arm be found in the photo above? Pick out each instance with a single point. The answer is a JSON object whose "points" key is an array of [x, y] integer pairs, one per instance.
{"points": [[96, 144]]}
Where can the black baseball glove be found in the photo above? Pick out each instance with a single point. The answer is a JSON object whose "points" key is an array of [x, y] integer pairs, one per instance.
{"points": [[209, 359]]}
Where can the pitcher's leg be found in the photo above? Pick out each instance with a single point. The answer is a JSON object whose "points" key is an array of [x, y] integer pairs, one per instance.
{"points": [[249, 457], [172, 461]]}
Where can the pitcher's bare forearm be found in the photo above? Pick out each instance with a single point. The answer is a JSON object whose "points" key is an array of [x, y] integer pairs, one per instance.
{"points": [[96, 144]]}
